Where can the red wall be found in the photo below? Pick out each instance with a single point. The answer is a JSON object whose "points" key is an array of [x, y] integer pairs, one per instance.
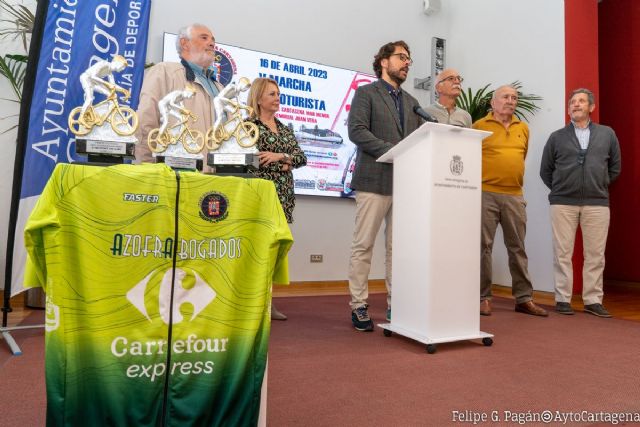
{"points": [[619, 37], [581, 70], [581, 47]]}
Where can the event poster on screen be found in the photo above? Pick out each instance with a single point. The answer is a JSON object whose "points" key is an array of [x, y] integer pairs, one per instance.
{"points": [[314, 102]]}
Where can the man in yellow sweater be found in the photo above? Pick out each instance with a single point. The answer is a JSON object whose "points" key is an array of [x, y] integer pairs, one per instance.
{"points": [[503, 155]]}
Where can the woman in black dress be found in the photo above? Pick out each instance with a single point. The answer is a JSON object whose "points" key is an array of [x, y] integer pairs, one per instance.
{"points": [[279, 151]]}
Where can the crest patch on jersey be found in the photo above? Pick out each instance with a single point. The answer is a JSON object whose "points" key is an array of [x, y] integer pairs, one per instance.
{"points": [[214, 207]]}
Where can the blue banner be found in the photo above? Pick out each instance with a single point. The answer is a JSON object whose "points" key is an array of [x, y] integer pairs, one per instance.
{"points": [[76, 35]]}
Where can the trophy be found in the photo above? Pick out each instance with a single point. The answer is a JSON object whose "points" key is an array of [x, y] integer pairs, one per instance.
{"points": [[104, 131], [232, 144], [177, 145]]}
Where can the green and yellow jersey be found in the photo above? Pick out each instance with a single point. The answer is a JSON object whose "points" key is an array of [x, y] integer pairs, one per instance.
{"points": [[158, 289]]}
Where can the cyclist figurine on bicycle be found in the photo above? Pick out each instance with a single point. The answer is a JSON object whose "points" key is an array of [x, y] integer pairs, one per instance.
{"points": [[177, 139], [227, 99], [171, 104], [93, 80]]}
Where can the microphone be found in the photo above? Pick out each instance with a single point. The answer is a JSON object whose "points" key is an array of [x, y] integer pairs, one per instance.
{"points": [[428, 117]]}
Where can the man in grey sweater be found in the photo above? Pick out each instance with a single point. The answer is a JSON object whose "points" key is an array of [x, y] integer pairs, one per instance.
{"points": [[579, 162]]}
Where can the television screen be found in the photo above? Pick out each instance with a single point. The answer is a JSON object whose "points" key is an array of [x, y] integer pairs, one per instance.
{"points": [[314, 103]]}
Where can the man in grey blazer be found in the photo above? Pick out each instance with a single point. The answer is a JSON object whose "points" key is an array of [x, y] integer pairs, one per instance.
{"points": [[381, 115]]}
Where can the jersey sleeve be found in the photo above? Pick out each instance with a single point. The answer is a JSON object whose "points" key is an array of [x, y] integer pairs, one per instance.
{"points": [[43, 224], [282, 237], [43, 219], [285, 240]]}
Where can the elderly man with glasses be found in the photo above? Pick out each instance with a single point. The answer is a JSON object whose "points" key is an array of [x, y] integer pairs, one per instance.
{"points": [[578, 163], [449, 86], [503, 155]]}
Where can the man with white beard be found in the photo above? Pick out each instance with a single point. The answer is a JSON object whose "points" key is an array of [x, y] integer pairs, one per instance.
{"points": [[196, 46]]}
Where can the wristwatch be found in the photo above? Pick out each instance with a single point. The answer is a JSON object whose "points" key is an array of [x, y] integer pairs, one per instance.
{"points": [[287, 156]]}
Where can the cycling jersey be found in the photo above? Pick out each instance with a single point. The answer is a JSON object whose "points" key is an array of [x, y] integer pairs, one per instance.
{"points": [[158, 288]]}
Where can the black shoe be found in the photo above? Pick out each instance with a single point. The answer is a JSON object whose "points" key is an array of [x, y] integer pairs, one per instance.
{"points": [[596, 310], [564, 308], [361, 320]]}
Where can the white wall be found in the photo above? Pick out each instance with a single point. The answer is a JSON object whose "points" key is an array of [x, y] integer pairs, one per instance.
{"points": [[7, 139], [489, 41], [499, 41]]}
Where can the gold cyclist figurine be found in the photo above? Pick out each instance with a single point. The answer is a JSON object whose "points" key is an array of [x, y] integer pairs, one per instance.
{"points": [[172, 105], [123, 119], [245, 133]]}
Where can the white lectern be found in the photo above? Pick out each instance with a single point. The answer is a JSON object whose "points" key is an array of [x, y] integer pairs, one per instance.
{"points": [[437, 198]]}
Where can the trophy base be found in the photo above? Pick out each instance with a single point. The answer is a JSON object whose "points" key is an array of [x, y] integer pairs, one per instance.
{"points": [[233, 164], [228, 170], [183, 163], [104, 159], [105, 152]]}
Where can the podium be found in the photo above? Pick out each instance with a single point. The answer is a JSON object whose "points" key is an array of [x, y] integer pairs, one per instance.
{"points": [[437, 195]]}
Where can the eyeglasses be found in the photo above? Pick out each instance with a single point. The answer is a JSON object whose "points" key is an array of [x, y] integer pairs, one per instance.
{"points": [[451, 79], [403, 57]]}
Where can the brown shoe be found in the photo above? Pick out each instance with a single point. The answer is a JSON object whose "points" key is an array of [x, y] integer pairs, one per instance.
{"points": [[485, 307], [530, 308]]}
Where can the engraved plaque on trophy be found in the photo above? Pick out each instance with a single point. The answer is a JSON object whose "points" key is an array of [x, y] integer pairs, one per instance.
{"points": [[104, 130], [175, 143], [232, 143]]}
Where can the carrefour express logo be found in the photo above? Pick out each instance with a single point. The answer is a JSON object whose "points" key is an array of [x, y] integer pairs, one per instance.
{"points": [[200, 295]]}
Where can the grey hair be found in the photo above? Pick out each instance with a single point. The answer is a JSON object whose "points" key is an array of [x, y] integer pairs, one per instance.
{"points": [[590, 96], [185, 33], [493, 97]]}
